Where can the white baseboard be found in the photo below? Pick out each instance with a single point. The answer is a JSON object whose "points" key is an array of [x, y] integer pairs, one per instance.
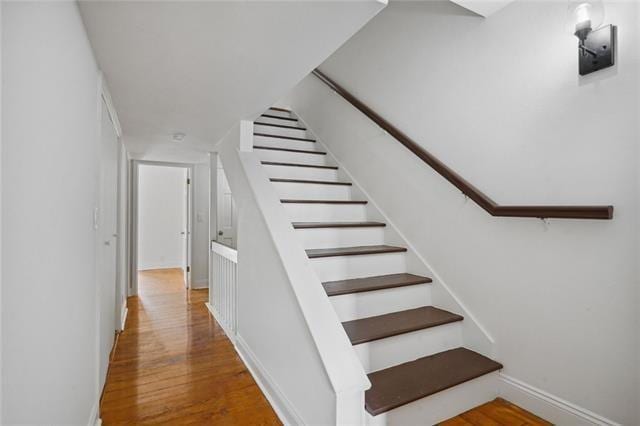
{"points": [[123, 320], [281, 405], [94, 416], [548, 406], [201, 283], [160, 265]]}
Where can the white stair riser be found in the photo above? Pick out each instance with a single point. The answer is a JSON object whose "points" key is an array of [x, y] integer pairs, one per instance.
{"points": [[291, 157], [278, 113], [346, 267], [340, 237], [281, 131], [326, 212], [441, 406], [286, 143], [372, 303], [290, 172], [276, 121], [312, 191], [385, 353]]}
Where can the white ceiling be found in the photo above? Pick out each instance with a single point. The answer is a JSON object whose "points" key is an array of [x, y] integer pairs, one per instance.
{"points": [[483, 7], [199, 67]]}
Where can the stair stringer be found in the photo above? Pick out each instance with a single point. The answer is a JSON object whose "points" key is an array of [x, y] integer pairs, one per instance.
{"points": [[475, 335], [316, 324]]}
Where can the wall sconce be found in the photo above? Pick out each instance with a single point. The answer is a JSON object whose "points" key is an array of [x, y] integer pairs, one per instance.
{"points": [[596, 49]]}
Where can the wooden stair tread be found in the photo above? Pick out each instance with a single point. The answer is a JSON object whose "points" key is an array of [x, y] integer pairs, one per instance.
{"points": [[404, 383], [279, 118], [319, 182], [380, 282], [353, 251], [302, 151], [293, 138], [282, 126], [312, 225], [313, 166], [290, 201], [381, 326]]}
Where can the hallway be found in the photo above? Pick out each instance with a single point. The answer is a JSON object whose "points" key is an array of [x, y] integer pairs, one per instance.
{"points": [[174, 364]]}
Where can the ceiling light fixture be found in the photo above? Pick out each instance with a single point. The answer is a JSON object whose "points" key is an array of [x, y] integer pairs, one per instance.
{"points": [[178, 137]]}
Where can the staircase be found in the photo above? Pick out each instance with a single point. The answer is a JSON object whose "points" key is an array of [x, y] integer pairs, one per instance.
{"points": [[413, 353]]}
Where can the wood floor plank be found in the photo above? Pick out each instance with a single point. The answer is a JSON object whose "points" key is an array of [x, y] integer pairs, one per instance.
{"points": [[497, 412], [174, 365]]}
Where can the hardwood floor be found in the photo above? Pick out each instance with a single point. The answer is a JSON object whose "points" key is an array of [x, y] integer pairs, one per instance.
{"points": [[496, 413], [173, 363]]}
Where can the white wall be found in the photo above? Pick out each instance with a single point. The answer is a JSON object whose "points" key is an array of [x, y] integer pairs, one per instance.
{"points": [[49, 144], [161, 216], [500, 101]]}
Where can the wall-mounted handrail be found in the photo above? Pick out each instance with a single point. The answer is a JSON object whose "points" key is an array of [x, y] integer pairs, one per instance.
{"points": [[484, 201]]}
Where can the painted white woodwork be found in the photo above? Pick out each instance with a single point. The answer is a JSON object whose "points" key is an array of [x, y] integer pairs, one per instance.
{"points": [[442, 405], [163, 213], [288, 172], [285, 143], [384, 353], [340, 237], [223, 287], [370, 303], [292, 157], [394, 350], [280, 298], [226, 210], [107, 242]]}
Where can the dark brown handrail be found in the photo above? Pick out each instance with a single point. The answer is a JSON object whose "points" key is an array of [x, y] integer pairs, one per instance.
{"points": [[493, 208]]}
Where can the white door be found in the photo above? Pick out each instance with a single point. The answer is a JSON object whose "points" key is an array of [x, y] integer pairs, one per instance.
{"points": [[107, 241], [226, 210]]}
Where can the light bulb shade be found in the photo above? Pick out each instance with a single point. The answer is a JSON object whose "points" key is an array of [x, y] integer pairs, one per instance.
{"points": [[584, 13]]}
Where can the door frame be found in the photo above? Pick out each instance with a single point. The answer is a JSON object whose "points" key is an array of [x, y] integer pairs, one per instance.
{"points": [[133, 218], [104, 98]]}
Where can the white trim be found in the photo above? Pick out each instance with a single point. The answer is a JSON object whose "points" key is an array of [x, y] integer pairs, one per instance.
{"points": [[281, 405], [94, 416], [225, 251], [546, 405], [221, 323], [164, 265], [200, 283], [133, 218], [123, 319]]}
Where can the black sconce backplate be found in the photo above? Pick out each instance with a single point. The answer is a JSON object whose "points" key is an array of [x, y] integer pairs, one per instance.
{"points": [[602, 43]]}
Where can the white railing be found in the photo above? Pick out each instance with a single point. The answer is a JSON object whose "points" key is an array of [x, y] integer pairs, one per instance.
{"points": [[223, 289]]}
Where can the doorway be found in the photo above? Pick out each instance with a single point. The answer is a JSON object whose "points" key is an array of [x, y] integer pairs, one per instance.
{"points": [[161, 219], [226, 213]]}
